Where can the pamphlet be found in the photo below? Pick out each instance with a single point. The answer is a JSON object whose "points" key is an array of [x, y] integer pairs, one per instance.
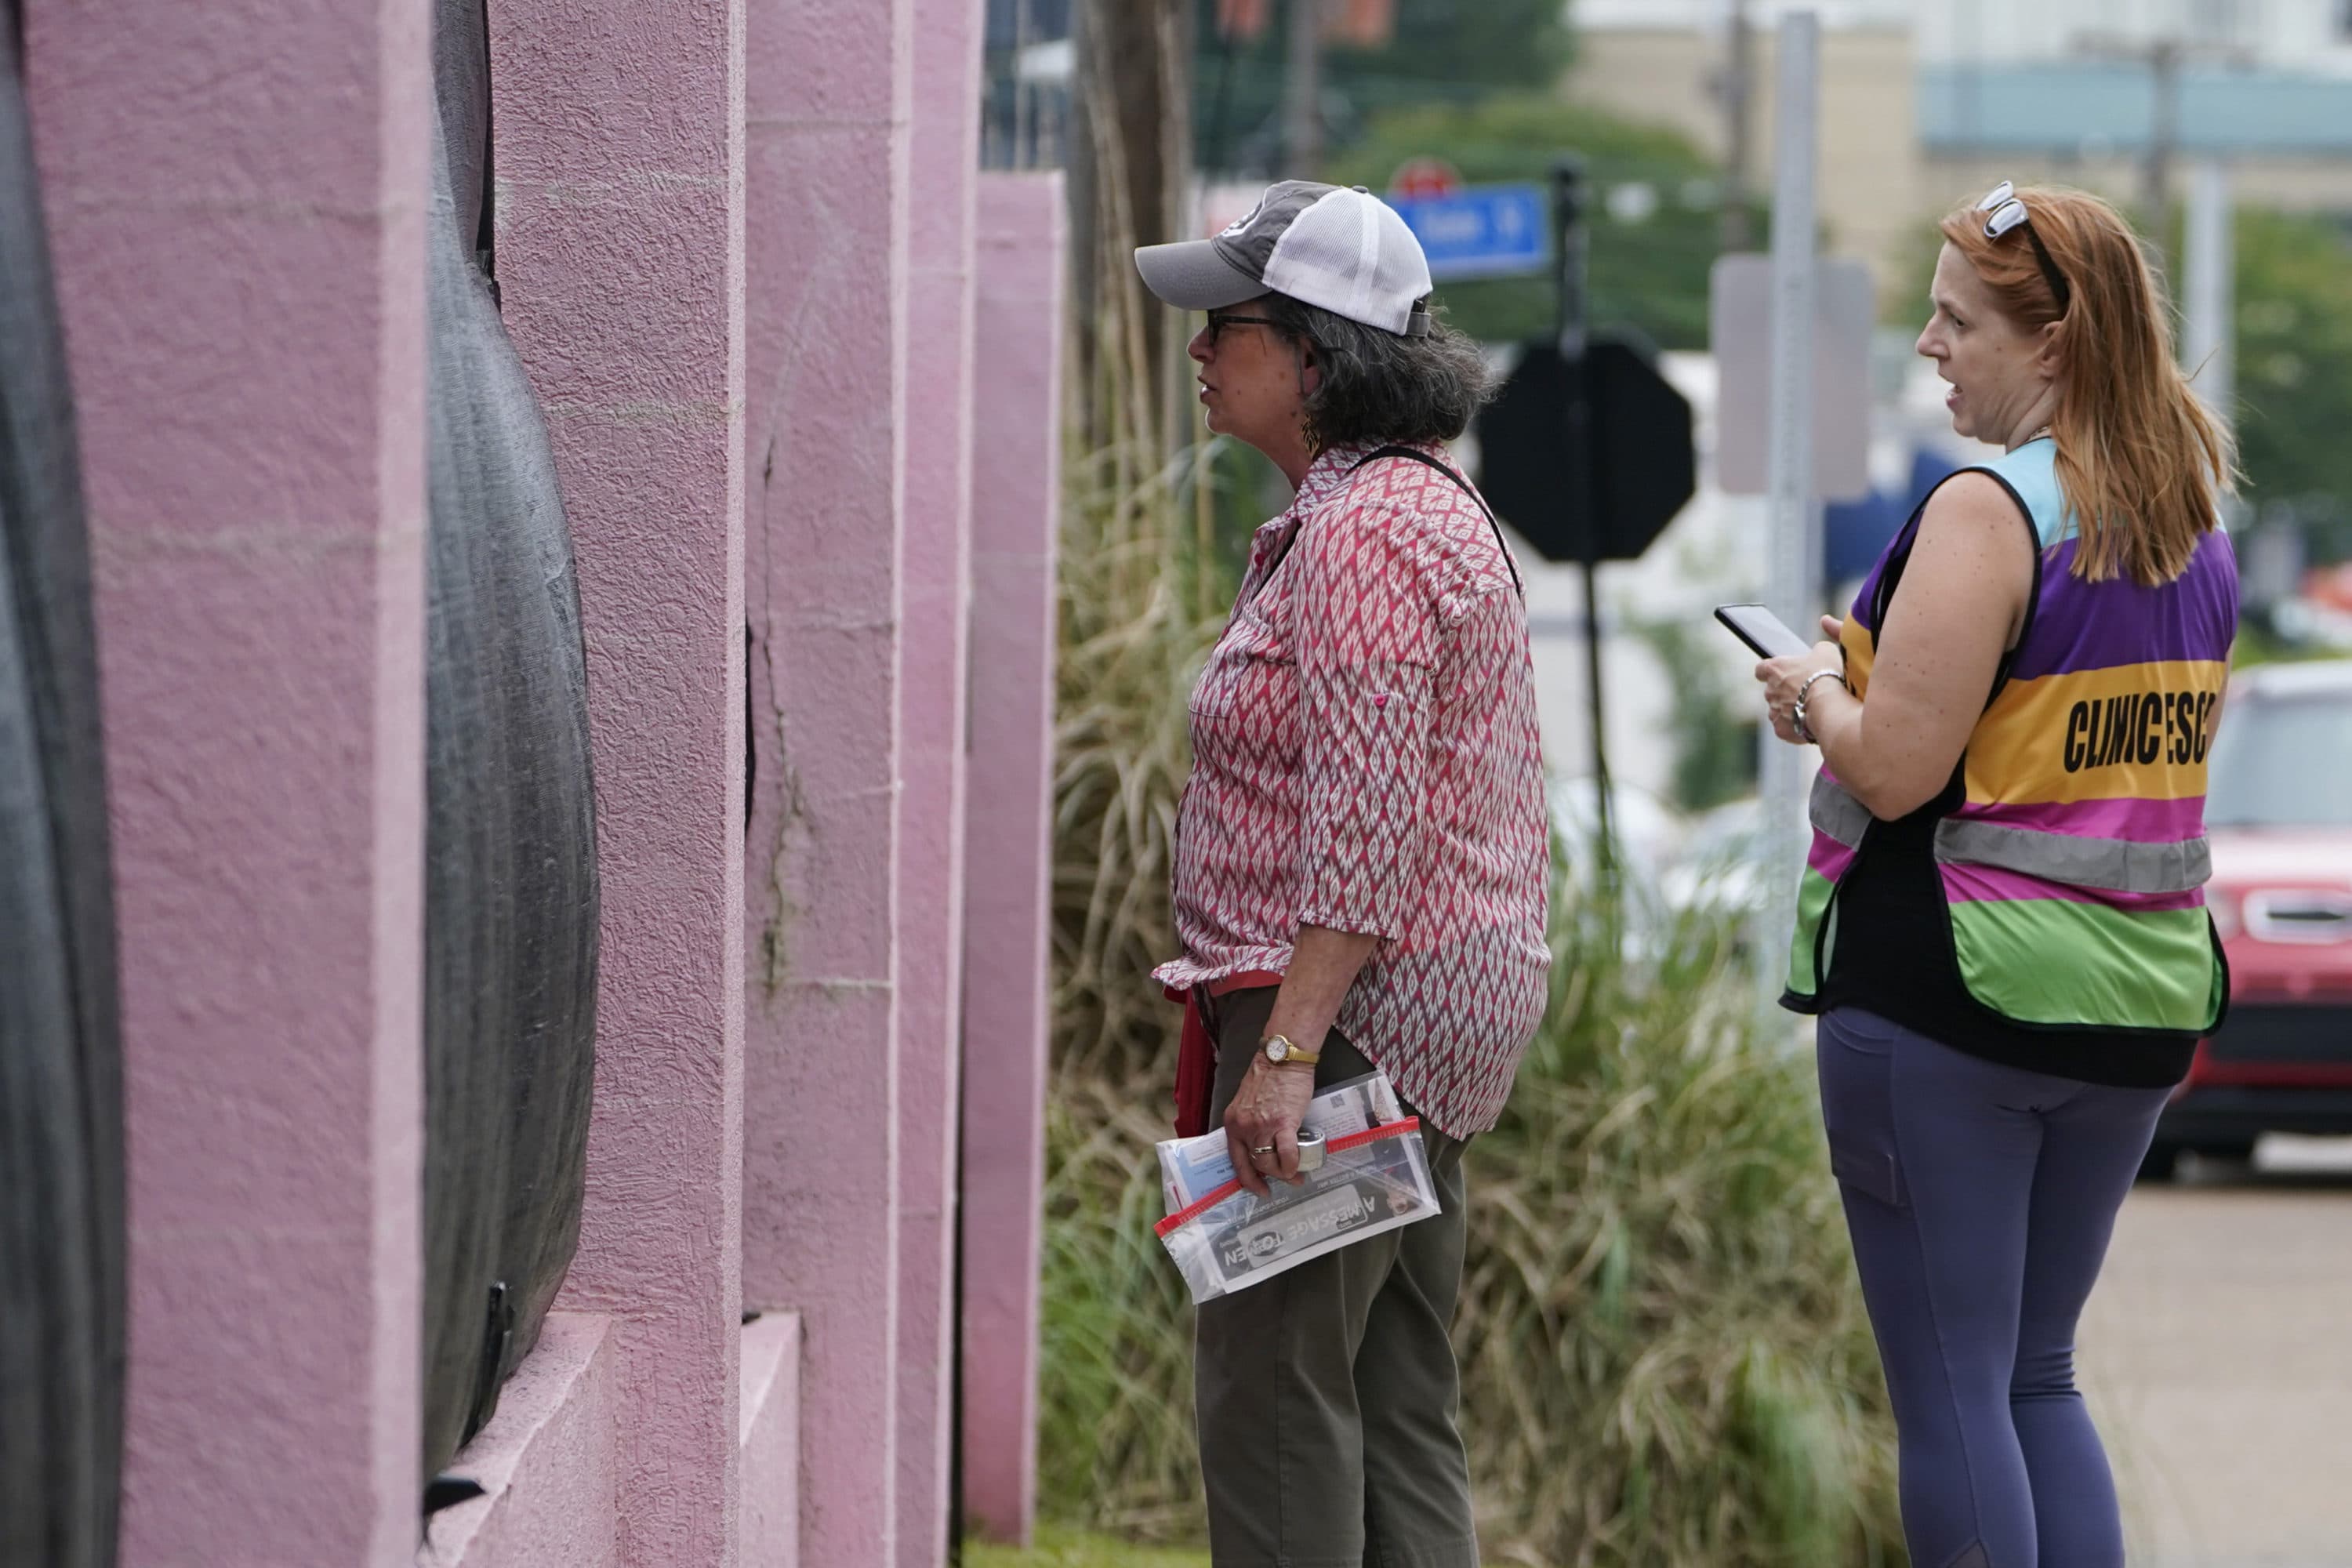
{"points": [[1374, 1177]]}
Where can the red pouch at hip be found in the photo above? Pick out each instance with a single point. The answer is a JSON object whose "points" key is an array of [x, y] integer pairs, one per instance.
{"points": [[1196, 1050], [1196, 1069]]}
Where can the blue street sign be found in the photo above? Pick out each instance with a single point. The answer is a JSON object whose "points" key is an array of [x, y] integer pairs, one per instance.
{"points": [[1481, 231]]}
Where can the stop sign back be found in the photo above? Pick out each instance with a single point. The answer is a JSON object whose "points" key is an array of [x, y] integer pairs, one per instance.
{"points": [[1533, 466]]}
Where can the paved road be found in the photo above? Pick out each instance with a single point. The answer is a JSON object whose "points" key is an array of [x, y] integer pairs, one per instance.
{"points": [[2217, 1354]]}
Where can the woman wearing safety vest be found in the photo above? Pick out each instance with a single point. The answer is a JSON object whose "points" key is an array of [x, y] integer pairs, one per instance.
{"points": [[2003, 921]]}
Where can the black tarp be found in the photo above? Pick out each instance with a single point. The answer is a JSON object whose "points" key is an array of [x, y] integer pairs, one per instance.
{"points": [[511, 840], [62, 1219]]}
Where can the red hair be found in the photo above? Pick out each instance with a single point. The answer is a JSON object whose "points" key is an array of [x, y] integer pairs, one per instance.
{"points": [[2140, 461]]}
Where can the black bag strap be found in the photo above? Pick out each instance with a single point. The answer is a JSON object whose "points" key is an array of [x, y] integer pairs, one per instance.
{"points": [[1463, 486], [1423, 458]]}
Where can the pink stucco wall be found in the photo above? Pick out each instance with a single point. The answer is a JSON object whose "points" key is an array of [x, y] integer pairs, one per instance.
{"points": [[548, 1463], [771, 1441], [236, 211], [944, 156], [1009, 845], [737, 259], [621, 255], [829, 148]]}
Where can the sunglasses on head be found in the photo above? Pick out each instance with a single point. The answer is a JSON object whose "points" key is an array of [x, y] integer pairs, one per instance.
{"points": [[2004, 210]]}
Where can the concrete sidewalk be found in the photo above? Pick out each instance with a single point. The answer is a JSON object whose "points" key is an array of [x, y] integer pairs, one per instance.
{"points": [[2217, 1356]]}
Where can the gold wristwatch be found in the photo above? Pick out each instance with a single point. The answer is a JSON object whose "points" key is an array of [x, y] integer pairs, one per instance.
{"points": [[1281, 1051]]}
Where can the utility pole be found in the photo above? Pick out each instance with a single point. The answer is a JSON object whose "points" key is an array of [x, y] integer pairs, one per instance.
{"points": [[2209, 265], [1082, 192], [1302, 103], [1793, 568], [2163, 59], [2163, 137], [1737, 91]]}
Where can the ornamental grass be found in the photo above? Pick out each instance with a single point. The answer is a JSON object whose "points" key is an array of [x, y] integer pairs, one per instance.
{"points": [[1664, 1360]]}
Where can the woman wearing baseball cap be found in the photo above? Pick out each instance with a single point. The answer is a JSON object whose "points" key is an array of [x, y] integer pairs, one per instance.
{"points": [[1360, 865]]}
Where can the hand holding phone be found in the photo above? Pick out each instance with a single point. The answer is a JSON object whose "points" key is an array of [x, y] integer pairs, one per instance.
{"points": [[1762, 630]]}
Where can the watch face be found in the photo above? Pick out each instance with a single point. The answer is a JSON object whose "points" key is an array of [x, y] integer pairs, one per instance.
{"points": [[1277, 1048]]}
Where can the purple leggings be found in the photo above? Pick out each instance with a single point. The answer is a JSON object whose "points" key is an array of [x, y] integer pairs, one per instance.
{"points": [[1980, 1198]]}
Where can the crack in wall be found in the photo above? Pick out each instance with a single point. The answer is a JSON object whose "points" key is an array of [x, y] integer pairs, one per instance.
{"points": [[793, 819], [774, 956]]}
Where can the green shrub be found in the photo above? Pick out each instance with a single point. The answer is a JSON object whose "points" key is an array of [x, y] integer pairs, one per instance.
{"points": [[1664, 1359], [1115, 1445], [1137, 617], [1714, 729], [1648, 272], [1664, 1355], [1062, 1548]]}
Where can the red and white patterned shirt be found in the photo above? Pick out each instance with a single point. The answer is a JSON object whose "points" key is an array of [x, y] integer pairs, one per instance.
{"points": [[1365, 758]]}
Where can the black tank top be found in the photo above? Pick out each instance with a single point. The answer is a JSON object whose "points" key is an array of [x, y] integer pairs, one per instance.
{"points": [[1893, 955]]}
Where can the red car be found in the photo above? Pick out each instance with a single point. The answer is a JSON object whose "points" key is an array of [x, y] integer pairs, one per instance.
{"points": [[2279, 811]]}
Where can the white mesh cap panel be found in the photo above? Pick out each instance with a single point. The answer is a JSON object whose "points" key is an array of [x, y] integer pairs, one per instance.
{"points": [[1352, 255]]}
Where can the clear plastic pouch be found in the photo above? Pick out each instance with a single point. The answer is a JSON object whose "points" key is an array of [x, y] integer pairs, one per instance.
{"points": [[1374, 1177]]}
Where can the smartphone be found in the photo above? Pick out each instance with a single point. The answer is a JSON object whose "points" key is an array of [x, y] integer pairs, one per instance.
{"points": [[1761, 629]]}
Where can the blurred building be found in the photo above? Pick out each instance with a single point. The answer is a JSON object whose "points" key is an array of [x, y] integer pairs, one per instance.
{"points": [[2312, 36], [2118, 97], [1925, 102], [1670, 62], [1028, 59]]}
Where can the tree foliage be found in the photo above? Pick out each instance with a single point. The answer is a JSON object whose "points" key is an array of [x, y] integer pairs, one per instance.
{"points": [[1448, 51], [1459, 48], [1649, 268], [2294, 374], [1473, 82], [1714, 727]]}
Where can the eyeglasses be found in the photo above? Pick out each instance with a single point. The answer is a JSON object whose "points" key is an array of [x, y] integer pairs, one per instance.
{"points": [[2005, 210], [1219, 322]]}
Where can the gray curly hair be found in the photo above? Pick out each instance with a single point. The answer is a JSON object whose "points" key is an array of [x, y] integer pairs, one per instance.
{"points": [[1381, 386]]}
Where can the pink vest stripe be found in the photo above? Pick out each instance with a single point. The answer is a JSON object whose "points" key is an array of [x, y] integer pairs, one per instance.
{"points": [[2142, 821], [1965, 883]]}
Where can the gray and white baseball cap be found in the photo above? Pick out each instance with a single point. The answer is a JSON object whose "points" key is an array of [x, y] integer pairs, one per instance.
{"points": [[1342, 248]]}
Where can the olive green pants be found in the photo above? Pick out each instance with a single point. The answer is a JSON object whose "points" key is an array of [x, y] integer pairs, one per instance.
{"points": [[1326, 1396]]}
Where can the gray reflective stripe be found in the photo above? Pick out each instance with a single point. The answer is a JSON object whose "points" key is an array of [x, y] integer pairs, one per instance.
{"points": [[2112, 865], [1836, 813]]}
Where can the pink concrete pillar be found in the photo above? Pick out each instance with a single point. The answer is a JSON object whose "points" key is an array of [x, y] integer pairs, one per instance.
{"points": [[621, 245], [829, 149], [236, 198], [938, 455], [1016, 506]]}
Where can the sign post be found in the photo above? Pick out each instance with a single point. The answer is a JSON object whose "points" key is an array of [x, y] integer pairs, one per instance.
{"points": [[1793, 565], [1587, 452], [2210, 273], [1571, 274]]}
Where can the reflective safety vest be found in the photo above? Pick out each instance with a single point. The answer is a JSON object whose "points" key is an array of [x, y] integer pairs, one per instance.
{"points": [[2074, 869]]}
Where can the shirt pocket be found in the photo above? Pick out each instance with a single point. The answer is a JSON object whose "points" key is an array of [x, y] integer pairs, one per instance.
{"points": [[1251, 675]]}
